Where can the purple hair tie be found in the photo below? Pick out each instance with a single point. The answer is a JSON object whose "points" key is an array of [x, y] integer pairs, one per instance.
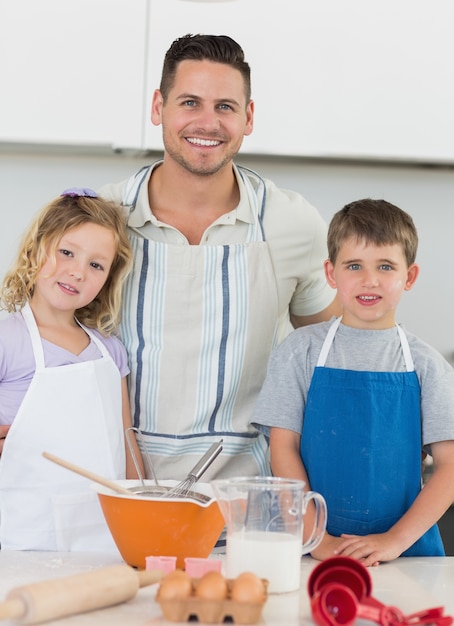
{"points": [[77, 192]]}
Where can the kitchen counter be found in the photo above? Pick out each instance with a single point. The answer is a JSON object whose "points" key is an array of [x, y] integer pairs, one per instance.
{"points": [[411, 584]]}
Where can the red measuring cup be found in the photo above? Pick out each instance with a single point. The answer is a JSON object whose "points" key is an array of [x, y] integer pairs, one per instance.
{"points": [[340, 591]]}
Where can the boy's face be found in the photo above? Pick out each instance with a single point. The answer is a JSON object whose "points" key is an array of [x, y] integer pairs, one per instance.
{"points": [[370, 280]]}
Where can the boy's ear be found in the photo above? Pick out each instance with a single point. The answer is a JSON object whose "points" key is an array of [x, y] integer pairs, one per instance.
{"points": [[329, 273], [412, 275]]}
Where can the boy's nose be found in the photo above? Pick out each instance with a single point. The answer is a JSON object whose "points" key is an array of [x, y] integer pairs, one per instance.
{"points": [[371, 279]]}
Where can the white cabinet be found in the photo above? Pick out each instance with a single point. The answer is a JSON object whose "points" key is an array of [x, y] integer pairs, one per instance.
{"points": [[332, 78], [72, 72]]}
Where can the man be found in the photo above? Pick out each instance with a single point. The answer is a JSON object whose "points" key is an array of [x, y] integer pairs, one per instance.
{"points": [[224, 260]]}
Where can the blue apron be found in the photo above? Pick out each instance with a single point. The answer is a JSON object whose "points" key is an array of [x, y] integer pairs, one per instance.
{"points": [[361, 446]]}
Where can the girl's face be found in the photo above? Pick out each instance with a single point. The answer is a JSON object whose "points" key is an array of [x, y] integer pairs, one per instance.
{"points": [[84, 256], [370, 280]]}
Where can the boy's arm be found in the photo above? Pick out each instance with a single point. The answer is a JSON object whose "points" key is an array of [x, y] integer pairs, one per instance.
{"points": [[285, 454], [286, 462], [431, 503]]}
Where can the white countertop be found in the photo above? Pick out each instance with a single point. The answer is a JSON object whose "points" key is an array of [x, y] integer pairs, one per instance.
{"points": [[411, 584]]}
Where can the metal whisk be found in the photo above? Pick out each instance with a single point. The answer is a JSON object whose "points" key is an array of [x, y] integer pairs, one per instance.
{"points": [[182, 489]]}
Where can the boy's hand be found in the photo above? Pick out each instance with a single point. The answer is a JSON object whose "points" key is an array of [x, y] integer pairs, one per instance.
{"points": [[371, 550], [328, 547]]}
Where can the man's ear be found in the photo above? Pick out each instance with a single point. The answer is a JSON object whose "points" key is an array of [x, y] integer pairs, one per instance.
{"points": [[156, 108], [412, 275], [329, 273]]}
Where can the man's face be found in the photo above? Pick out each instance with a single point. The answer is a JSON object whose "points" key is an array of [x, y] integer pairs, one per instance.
{"points": [[205, 116]]}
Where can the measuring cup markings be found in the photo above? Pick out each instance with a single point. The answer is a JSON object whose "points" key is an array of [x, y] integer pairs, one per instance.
{"points": [[265, 531]]}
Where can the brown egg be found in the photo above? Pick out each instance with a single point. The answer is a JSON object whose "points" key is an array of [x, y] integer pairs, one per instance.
{"points": [[212, 586], [175, 586], [247, 587]]}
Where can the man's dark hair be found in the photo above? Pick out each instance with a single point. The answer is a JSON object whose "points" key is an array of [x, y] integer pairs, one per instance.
{"points": [[216, 48]]}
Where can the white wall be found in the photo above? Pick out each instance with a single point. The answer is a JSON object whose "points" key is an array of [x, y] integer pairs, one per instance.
{"points": [[29, 179]]}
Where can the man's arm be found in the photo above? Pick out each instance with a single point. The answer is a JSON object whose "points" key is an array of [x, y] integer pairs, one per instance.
{"points": [[334, 309]]}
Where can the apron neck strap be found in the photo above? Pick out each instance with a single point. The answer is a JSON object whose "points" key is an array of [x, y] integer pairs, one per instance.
{"points": [[330, 337], [35, 337]]}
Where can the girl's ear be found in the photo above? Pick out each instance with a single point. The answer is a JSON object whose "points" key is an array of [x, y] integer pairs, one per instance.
{"points": [[412, 275], [329, 273]]}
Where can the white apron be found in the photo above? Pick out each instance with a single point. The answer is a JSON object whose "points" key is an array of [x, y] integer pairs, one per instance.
{"points": [[199, 323], [72, 411]]}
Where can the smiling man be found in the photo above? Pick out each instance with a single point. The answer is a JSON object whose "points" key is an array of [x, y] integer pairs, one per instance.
{"points": [[225, 263]]}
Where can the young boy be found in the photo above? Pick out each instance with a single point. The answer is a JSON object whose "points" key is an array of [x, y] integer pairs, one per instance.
{"points": [[352, 405]]}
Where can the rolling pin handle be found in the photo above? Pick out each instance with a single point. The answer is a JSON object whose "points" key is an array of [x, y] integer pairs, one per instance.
{"points": [[12, 609]]}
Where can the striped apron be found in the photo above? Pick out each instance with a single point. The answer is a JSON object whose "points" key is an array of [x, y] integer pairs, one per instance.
{"points": [[199, 323]]}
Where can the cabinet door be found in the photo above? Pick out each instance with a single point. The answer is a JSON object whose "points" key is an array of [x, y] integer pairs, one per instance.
{"points": [[332, 78], [72, 72]]}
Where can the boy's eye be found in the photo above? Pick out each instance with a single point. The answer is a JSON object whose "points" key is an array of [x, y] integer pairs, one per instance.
{"points": [[354, 266], [386, 267]]}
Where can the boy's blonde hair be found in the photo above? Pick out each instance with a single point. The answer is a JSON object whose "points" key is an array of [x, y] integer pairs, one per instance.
{"points": [[40, 242], [373, 221]]}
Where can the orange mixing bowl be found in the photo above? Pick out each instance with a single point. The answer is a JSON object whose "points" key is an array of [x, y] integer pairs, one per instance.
{"points": [[144, 526]]}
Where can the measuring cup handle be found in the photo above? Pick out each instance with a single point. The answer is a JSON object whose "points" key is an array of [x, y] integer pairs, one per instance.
{"points": [[320, 519]]}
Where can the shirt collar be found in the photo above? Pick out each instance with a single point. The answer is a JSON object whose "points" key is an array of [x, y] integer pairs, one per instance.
{"points": [[141, 214]]}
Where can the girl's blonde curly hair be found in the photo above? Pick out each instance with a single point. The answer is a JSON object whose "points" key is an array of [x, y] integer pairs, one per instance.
{"points": [[40, 242]]}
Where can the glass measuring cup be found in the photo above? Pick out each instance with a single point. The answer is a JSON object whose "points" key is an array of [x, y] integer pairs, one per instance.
{"points": [[264, 518]]}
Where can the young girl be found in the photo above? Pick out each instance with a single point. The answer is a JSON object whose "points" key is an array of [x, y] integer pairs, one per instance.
{"points": [[63, 375]]}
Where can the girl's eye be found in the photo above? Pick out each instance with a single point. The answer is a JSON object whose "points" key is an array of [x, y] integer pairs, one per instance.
{"points": [[65, 252], [97, 266]]}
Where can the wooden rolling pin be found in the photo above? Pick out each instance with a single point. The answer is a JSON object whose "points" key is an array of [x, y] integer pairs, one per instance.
{"points": [[51, 599]]}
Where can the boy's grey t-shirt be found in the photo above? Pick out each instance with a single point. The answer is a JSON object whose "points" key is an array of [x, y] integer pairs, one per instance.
{"points": [[282, 400]]}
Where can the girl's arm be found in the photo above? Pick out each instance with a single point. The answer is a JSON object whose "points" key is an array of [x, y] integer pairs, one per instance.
{"points": [[4, 428], [127, 423]]}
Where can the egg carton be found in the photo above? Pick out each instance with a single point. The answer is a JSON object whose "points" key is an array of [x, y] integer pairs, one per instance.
{"points": [[211, 611]]}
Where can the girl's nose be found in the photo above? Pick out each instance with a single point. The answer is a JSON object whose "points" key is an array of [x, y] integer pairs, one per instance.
{"points": [[77, 272]]}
